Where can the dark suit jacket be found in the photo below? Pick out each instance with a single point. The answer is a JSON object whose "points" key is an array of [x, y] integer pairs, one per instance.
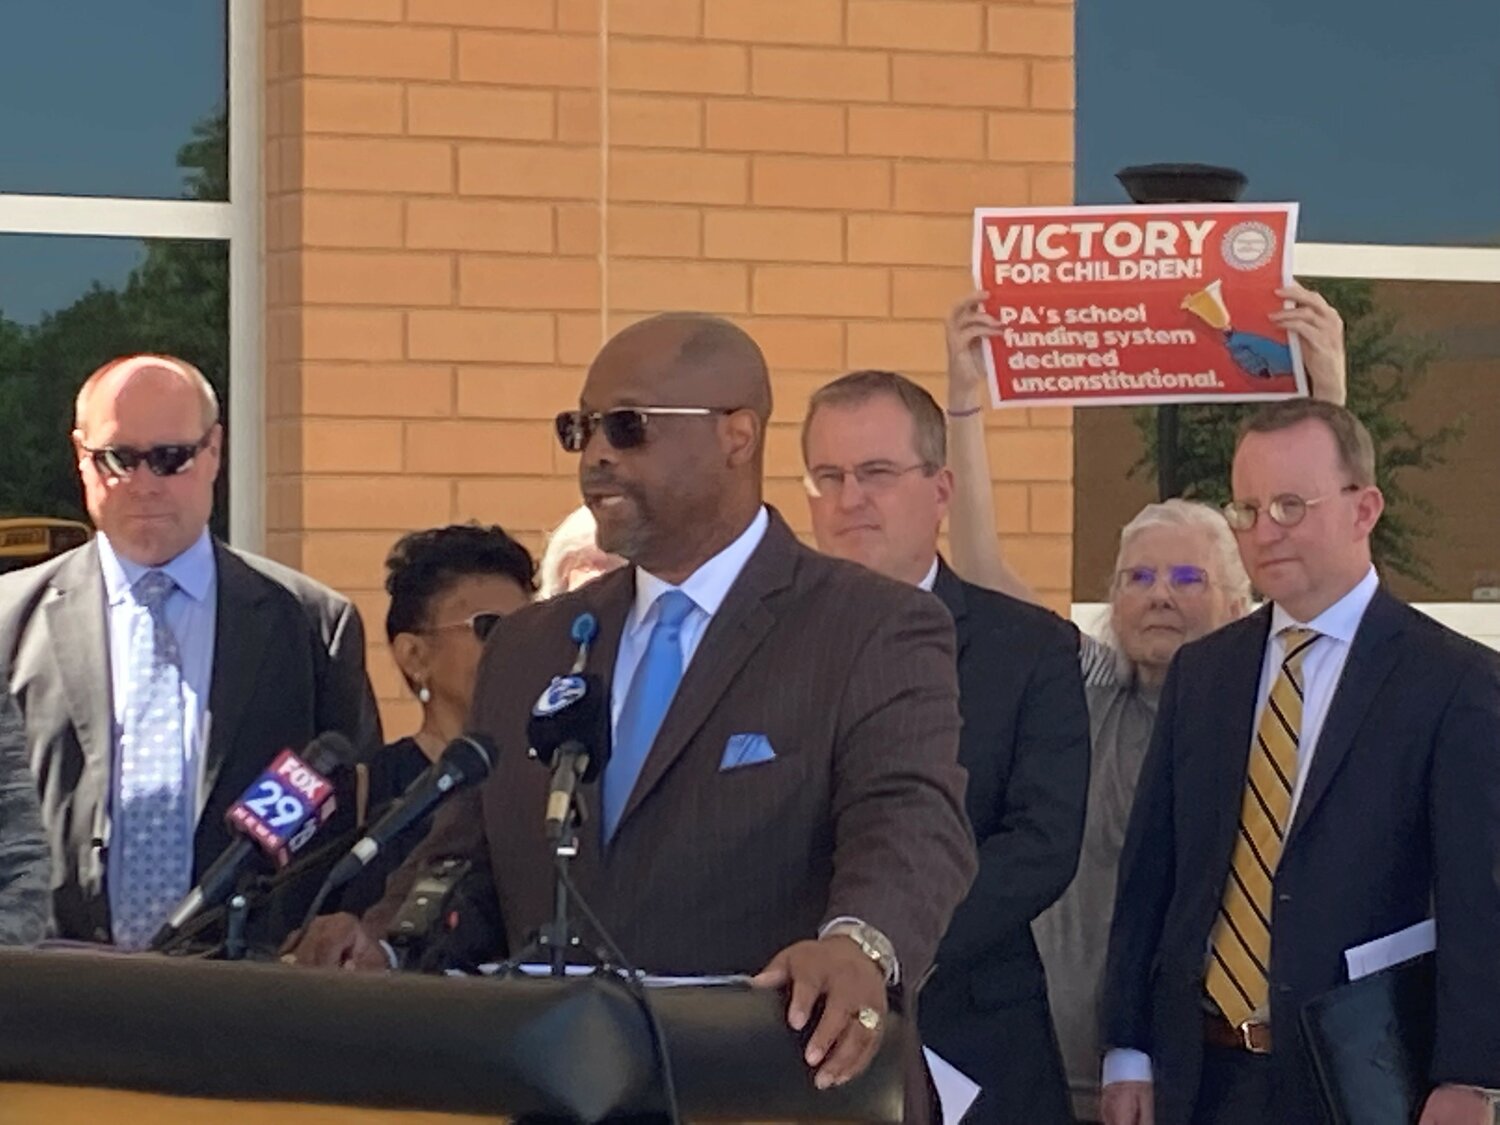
{"points": [[1400, 814], [850, 677], [288, 664], [1026, 746]]}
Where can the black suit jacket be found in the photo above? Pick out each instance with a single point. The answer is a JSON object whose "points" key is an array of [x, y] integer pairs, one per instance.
{"points": [[1025, 744], [288, 664], [1400, 815]]}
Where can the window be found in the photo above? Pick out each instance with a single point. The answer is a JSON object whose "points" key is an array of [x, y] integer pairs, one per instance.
{"points": [[1385, 129], [1423, 364], [129, 221], [1383, 122]]}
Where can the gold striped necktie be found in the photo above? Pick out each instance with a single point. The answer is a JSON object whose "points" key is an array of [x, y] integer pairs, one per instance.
{"points": [[1241, 945]]}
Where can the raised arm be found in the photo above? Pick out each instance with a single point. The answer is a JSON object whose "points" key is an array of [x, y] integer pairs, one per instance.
{"points": [[972, 531]]}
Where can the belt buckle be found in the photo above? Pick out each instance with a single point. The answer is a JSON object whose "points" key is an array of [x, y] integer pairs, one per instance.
{"points": [[1251, 1041]]}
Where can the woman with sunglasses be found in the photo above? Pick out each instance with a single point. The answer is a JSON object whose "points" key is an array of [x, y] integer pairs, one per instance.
{"points": [[449, 588]]}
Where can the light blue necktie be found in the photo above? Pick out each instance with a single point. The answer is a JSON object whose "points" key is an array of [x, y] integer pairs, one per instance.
{"points": [[646, 702], [152, 821]]}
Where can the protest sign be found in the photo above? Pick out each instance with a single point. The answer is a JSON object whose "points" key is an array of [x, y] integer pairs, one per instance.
{"points": [[1102, 306]]}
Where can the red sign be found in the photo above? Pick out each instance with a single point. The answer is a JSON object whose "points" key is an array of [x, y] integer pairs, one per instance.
{"points": [[1101, 306]]}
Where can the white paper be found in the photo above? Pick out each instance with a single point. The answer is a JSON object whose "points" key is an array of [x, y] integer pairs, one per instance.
{"points": [[1392, 949], [539, 970], [956, 1091]]}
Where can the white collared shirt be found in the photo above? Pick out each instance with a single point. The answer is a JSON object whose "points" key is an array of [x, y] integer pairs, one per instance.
{"points": [[1322, 668], [930, 580], [707, 586]]}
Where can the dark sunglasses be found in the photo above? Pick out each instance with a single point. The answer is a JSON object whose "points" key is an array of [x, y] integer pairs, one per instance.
{"points": [[162, 460], [624, 428], [480, 624]]}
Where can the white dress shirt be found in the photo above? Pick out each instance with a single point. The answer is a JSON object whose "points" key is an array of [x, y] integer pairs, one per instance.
{"points": [[707, 586], [1322, 668], [930, 580]]}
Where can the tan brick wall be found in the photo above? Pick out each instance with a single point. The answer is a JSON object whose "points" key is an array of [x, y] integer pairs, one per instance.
{"points": [[465, 196]]}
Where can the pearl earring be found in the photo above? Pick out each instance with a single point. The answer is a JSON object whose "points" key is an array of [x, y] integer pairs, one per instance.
{"points": [[423, 694]]}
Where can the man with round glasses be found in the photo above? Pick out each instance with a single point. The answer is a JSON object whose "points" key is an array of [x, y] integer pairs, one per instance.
{"points": [[157, 669], [1322, 773]]}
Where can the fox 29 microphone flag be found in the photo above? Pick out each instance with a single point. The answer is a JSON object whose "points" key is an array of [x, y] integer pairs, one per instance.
{"points": [[285, 806]]}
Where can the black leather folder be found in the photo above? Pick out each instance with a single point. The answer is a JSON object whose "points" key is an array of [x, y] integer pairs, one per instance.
{"points": [[1371, 1044]]}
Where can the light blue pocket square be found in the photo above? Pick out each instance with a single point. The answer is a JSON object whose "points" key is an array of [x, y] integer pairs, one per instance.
{"points": [[746, 750]]}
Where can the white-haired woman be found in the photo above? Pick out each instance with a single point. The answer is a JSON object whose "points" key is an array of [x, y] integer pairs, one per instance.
{"points": [[573, 556], [1177, 577]]}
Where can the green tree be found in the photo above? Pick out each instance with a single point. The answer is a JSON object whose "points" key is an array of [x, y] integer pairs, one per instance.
{"points": [[175, 301], [1385, 367]]}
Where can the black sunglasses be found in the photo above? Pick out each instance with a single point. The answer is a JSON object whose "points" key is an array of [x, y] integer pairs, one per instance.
{"points": [[624, 428], [162, 460]]}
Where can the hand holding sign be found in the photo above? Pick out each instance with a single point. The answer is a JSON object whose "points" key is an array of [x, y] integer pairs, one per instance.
{"points": [[969, 325], [1320, 328]]}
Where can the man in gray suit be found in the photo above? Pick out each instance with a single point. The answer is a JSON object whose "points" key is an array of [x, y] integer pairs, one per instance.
{"points": [[157, 670], [24, 861], [783, 793]]}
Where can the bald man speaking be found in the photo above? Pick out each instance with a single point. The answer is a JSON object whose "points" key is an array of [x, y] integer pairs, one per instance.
{"points": [[157, 670], [783, 795]]}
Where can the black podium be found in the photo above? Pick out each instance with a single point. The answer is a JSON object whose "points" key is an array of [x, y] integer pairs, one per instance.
{"points": [[576, 1048]]}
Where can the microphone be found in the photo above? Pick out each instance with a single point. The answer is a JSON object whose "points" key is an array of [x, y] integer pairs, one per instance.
{"points": [[583, 631], [466, 760], [569, 729], [280, 812]]}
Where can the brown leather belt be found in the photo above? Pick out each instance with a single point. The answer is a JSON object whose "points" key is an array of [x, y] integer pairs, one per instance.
{"points": [[1252, 1035]]}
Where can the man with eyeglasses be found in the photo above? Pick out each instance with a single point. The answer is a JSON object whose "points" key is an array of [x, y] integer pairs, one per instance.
{"points": [[874, 445], [1322, 773], [782, 794], [157, 669]]}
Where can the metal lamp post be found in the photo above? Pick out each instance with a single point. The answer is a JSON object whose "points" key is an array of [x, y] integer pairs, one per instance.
{"points": [[1177, 183]]}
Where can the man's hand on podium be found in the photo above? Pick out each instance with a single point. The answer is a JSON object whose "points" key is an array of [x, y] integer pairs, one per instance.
{"points": [[852, 989], [337, 941]]}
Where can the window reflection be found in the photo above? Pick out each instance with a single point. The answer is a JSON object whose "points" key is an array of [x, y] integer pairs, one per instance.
{"points": [[1380, 121], [1423, 360], [98, 96], [68, 304]]}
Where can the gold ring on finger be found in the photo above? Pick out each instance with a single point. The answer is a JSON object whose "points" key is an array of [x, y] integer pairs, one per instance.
{"points": [[869, 1019]]}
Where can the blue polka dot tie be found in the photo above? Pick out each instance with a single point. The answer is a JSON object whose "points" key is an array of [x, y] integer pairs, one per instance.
{"points": [[152, 820]]}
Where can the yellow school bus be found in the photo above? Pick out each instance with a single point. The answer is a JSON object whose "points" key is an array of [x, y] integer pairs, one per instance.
{"points": [[26, 540]]}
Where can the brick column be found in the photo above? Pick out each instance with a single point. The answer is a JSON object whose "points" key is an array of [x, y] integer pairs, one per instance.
{"points": [[465, 197]]}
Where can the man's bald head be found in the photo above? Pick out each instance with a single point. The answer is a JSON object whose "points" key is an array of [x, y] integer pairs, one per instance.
{"points": [[703, 357], [109, 378]]}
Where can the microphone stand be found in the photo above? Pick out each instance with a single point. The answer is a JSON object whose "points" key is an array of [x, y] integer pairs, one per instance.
{"points": [[557, 938], [254, 892]]}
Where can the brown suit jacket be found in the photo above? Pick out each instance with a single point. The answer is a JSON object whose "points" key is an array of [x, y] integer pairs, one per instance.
{"points": [[851, 678]]}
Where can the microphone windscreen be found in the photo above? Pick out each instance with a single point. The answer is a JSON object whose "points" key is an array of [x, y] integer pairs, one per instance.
{"points": [[328, 752], [470, 757]]}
